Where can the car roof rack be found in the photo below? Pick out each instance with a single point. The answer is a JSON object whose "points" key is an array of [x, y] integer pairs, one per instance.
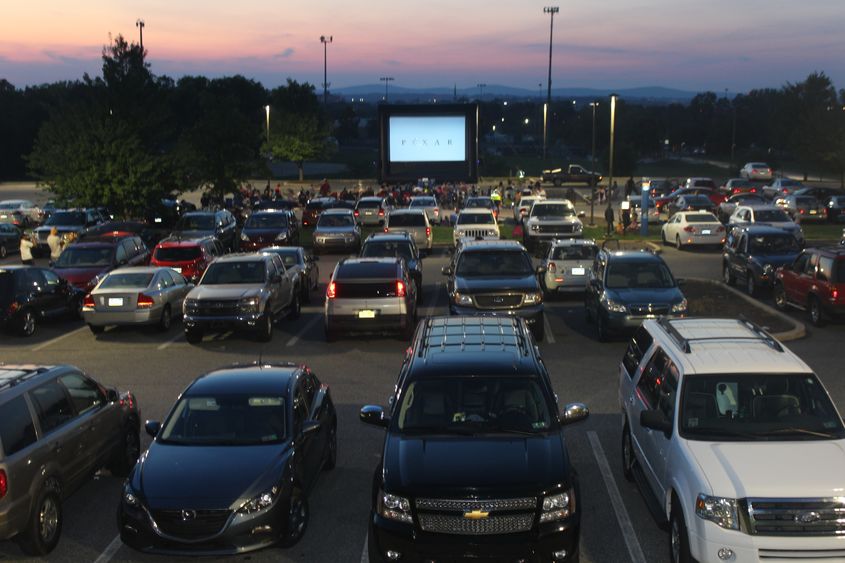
{"points": [[486, 334], [760, 335], [13, 375]]}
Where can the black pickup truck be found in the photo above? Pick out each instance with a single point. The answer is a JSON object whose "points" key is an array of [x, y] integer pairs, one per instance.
{"points": [[572, 174]]}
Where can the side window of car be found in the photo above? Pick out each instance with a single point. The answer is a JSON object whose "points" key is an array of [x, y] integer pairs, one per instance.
{"points": [[825, 268], [53, 406], [640, 342], [300, 410], [84, 393], [742, 245], [649, 383], [801, 263], [17, 430], [810, 268], [129, 248], [178, 280], [35, 279], [120, 254], [50, 279]]}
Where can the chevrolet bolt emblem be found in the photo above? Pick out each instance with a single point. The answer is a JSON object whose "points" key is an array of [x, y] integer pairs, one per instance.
{"points": [[188, 515], [808, 517], [476, 515]]}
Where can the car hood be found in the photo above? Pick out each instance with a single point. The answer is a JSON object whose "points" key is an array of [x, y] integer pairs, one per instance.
{"points": [[206, 477], [194, 234], [497, 284], [764, 469], [224, 291], [80, 276], [264, 232], [646, 295], [334, 231], [452, 465], [776, 260]]}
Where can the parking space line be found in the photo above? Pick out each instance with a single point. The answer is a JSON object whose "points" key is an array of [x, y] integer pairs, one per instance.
{"points": [[57, 339], [550, 338], [171, 341], [365, 557], [110, 551], [294, 339], [628, 534]]}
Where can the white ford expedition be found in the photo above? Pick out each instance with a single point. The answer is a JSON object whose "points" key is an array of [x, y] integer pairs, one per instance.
{"points": [[736, 440]]}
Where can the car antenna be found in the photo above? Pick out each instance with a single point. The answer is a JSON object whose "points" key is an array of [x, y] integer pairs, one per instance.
{"points": [[260, 352]]}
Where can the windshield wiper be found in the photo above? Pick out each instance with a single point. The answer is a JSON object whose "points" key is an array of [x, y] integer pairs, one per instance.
{"points": [[518, 432], [721, 432], [438, 430], [799, 431]]}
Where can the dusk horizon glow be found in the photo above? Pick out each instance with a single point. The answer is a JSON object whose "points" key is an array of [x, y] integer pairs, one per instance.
{"points": [[687, 46]]}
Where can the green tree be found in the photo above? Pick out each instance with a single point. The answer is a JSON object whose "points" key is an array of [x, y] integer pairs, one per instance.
{"points": [[297, 138]]}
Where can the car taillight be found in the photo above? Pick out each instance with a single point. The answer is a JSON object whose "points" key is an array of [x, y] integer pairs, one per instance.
{"points": [[834, 294], [144, 301], [753, 190], [331, 291], [720, 229], [400, 288], [801, 211], [689, 229], [356, 213], [88, 301], [14, 307], [552, 268], [385, 229], [436, 211], [381, 212], [4, 483], [428, 231], [127, 401]]}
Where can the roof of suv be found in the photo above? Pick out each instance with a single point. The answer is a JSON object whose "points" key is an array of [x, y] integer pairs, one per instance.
{"points": [[243, 257], [394, 236], [633, 255], [724, 346], [15, 374], [490, 245]]}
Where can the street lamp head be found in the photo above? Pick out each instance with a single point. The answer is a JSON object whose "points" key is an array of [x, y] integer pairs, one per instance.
{"points": [[139, 23], [551, 10], [526, 121]]}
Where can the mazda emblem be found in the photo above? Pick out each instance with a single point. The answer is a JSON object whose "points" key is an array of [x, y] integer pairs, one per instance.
{"points": [[808, 517], [188, 515]]}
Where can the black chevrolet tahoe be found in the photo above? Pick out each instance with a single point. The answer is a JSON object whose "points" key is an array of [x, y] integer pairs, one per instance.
{"points": [[474, 462]]}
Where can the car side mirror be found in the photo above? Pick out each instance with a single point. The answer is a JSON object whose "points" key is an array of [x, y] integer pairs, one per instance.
{"points": [[655, 420], [152, 427], [540, 270], [374, 415], [446, 270], [575, 412], [112, 396], [309, 428]]}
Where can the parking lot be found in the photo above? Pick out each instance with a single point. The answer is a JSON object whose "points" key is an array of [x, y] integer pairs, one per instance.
{"points": [[616, 524]]}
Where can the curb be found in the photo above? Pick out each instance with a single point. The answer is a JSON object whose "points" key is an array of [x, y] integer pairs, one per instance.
{"points": [[798, 330]]}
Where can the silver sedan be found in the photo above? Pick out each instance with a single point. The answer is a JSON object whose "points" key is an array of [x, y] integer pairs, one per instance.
{"points": [[135, 296]]}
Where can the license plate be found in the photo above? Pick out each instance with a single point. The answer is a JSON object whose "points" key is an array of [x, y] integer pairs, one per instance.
{"points": [[578, 271], [115, 302], [368, 212], [366, 314], [705, 231], [813, 212], [177, 270]]}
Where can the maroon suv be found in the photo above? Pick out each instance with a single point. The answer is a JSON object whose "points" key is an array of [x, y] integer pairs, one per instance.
{"points": [[82, 262], [815, 282]]}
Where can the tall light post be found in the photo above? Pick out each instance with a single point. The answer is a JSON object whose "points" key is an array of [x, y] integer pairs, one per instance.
{"points": [[593, 105], [387, 80], [325, 41], [269, 150], [551, 10], [267, 112], [481, 88], [139, 23]]}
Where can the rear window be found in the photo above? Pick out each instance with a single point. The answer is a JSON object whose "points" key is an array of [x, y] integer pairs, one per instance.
{"points": [[406, 220], [575, 252], [805, 201], [428, 202], [119, 281], [314, 205], [371, 270], [704, 184], [371, 204], [701, 218], [195, 223], [838, 271], [177, 253], [17, 430]]}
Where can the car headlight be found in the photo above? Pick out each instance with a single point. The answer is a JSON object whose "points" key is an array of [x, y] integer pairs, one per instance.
{"points": [[281, 236], [261, 502], [578, 227], [680, 306], [244, 237], [394, 507], [492, 233], [612, 305], [535, 227], [532, 298], [722, 511], [249, 305], [768, 270], [130, 497], [461, 299], [558, 507]]}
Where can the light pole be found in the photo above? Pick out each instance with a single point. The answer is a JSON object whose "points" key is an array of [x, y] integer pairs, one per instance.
{"points": [[387, 80], [481, 88], [552, 10], [139, 23], [593, 105], [733, 133], [267, 112], [325, 41]]}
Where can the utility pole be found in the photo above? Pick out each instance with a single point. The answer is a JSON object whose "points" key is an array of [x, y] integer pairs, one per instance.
{"points": [[552, 10], [481, 88], [387, 80], [593, 105], [325, 41], [139, 23]]}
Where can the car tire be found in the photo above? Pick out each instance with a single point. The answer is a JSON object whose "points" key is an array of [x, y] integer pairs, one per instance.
{"points": [[331, 454], [193, 335], [95, 329], [727, 275], [166, 320], [678, 538], [678, 244], [628, 459], [779, 294], [814, 311], [601, 328], [295, 307], [298, 515], [28, 323], [265, 331], [750, 285], [127, 453], [663, 238], [42, 531]]}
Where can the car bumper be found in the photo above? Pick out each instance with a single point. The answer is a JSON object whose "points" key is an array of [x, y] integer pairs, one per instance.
{"points": [[716, 239], [627, 321], [109, 318], [532, 315], [335, 244], [255, 246], [374, 220], [566, 284], [414, 546], [346, 314], [245, 322]]}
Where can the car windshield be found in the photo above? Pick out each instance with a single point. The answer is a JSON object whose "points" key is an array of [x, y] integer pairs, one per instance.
{"points": [[126, 280], [575, 252], [85, 257], [771, 216], [225, 420], [702, 218], [290, 256], [494, 263], [423, 203], [331, 220], [266, 221], [177, 253], [221, 273], [638, 274], [476, 219], [552, 210], [478, 202], [387, 249], [416, 219], [774, 244], [65, 219], [751, 407], [474, 405], [759, 166], [195, 223]]}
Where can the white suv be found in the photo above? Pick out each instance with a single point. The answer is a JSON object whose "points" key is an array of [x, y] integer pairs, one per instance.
{"points": [[551, 219], [736, 440], [477, 224]]}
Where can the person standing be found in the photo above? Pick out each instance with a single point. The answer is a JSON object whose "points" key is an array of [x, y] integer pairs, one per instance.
{"points": [[26, 250], [54, 241], [608, 216], [629, 187], [626, 219]]}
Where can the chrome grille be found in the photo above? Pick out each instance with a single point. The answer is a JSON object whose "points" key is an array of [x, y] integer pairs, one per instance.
{"points": [[458, 525], [473, 233], [797, 517], [649, 309], [498, 300], [450, 505], [215, 308], [555, 228], [191, 524]]}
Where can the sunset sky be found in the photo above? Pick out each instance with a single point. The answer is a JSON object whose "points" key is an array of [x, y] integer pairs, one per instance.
{"points": [[685, 44]]}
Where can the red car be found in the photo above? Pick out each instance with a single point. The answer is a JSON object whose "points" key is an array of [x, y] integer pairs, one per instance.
{"points": [[83, 262], [815, 282], [712, 194], [189, 257]]}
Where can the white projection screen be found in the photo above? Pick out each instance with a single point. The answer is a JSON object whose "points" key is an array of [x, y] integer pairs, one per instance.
{"points": [[427, 138]]}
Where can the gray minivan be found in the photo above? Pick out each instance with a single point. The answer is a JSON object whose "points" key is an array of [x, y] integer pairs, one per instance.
{"points": [[414, 222]]}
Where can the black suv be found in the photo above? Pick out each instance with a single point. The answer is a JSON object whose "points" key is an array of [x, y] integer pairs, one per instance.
{"points": [[29, 295], [220, 224], [752, 254], [400, 245], [57, 427], [496, 278], [474, 464]]}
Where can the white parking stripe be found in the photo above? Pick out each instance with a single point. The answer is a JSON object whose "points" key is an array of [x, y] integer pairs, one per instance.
{"points": [[628, 534], [550, 338], [179, 335], [110, 551], [294, 339], [58, 339], [365, 556]]}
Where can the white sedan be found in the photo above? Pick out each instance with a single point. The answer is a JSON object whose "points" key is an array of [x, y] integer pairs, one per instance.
{"points": [[693, 228]]}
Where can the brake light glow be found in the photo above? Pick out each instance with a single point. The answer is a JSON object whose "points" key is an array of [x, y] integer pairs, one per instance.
{"points": [[88, 301], [331, 291], [4, 483], [356, 213], [720, 229], [834, 294], [381, 212], [144, 301], [552, 268], [400, 288], [428, 231], [689, 229]]}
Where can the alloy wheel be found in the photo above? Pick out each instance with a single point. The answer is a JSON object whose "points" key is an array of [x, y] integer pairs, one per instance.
{"points": [[48, 519]]}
